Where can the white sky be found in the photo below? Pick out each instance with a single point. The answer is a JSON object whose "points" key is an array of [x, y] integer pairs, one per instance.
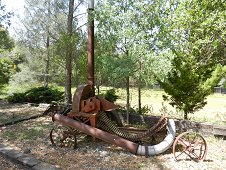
{"points": [[13, 4], [16, 6]]}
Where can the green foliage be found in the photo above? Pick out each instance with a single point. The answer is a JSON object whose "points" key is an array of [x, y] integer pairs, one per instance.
{"points": [[188, 86], [144, 110], [3, 91], [224, 84], [17, 98], [110, 95], [197, 38], [6, 70], [198, 27], [129, 31], [46, 34], [6, 43], [37, 95], [23, 80]]}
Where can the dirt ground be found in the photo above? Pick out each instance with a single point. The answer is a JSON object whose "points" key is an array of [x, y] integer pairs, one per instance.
{"points": [[32, 137]]}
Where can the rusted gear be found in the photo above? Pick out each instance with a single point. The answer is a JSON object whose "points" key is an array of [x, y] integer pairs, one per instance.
{"points": [[190, 145], [63, 136], [83, 101], [83, 92], [86, 107]]}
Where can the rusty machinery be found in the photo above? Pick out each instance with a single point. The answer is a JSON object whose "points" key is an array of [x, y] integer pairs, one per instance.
{"points": [[87, 115]]}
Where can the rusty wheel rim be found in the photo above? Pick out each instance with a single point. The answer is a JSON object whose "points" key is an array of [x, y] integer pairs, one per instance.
{"points": [[62, 136], [189, 146]]}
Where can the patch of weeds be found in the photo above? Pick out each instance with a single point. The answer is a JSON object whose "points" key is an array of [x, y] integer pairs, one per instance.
{"points": [[30, 134], [47, 126], [199, 119], [10, 135], [145, 110], [3, 117], [110, 95], [221, 123], [164, 110], [141, 165]]}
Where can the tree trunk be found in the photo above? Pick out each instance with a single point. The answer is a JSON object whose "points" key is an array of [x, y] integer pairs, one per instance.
{"points": [[46, 72], [98, 89], [139, 90], [68, 95], [127, 99], [185, 115], [139, 99]]}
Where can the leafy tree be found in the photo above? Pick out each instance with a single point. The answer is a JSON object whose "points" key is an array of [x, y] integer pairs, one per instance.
{"points": [[6, 42], [198, 42], [201, 30], [52, 39], [188, 86], [6, 70], [130, 31]]}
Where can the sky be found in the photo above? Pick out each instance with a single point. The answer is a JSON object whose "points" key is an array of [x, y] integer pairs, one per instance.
{"points": [[15, 6]]}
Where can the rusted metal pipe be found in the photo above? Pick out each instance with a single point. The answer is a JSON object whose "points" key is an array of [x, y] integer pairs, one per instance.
{"points": [[121, 142], [97, 133], [91, 44]]}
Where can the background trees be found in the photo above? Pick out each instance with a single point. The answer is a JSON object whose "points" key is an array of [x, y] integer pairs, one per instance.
{"points": [[180, 44], [53, 39], [132, 31], [198, 36], [6, 44]]}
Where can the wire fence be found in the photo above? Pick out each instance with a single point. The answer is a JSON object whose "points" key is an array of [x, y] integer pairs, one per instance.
{"points": [[221, 90]]}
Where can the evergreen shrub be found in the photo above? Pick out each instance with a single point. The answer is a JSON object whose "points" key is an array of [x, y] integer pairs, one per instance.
{"points": [[37, 95], [110, 95]]}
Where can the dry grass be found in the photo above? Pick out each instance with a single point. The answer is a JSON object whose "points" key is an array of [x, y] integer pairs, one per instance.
{"points": [[213, 112]]}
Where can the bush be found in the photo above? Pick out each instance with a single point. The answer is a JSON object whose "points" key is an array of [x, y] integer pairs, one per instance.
{"points": [[110, 95], [6, 70], [144, 110], [16, 98], [37, 95]]}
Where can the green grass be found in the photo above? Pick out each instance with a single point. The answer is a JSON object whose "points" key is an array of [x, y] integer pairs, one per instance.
{"points": [[214, 112]]}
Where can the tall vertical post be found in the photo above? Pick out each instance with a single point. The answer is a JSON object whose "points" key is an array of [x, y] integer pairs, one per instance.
{"points": [[91, 44]]}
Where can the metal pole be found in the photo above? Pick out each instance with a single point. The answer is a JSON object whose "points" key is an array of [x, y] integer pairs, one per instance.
{"points": [[91, 44]]}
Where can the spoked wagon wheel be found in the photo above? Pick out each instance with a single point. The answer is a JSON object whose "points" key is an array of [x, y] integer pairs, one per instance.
{"points": [[63, 136], [189, 145]]}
